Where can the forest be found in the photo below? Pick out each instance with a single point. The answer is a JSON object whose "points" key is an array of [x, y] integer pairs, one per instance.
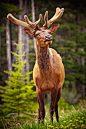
{"points": [[18, 102]]}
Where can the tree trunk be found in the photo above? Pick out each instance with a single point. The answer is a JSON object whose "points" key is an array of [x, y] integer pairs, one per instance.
{"points": [[27, 55], [33, 20], [26, 49], [20, 28], [25, 41], [8, 43], [83, 86]]}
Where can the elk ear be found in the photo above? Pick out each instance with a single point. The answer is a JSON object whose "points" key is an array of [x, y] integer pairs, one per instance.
{"points": [[30, 32], [54, 28]]}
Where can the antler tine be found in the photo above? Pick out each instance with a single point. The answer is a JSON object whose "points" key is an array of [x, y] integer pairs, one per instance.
{"points": [[16, 21], [57, 15], [46, 19], [28, 22], [40, 20], [33, 25]]}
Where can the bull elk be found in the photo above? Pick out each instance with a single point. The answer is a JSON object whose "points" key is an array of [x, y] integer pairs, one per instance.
{"points": [[48, 72]]}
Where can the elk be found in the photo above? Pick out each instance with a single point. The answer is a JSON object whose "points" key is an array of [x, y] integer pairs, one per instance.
{"points": [[48, 72]]}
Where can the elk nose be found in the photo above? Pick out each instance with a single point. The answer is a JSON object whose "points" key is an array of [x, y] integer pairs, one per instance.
{"points": [[48, 37]]}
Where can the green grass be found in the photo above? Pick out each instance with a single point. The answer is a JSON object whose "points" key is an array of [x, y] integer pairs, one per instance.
{"points": [[76, 120], [70, 117]]}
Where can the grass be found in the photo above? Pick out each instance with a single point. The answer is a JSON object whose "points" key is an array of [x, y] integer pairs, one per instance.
{"points": [[70, 117]]}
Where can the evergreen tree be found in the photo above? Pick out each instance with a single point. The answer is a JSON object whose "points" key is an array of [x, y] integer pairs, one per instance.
{"points": [[18, 94]]}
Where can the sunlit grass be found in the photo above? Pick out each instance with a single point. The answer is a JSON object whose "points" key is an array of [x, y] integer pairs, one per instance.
{"points": [[77, 121], [70, 117]]}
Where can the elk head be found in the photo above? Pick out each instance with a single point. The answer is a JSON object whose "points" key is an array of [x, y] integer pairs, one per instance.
{"points": [[43, 35]]}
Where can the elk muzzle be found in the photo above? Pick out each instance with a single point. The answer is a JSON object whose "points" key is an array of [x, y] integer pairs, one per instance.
{"points": [[48, 39]]}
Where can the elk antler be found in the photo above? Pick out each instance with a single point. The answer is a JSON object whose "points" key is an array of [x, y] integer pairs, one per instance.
{"points": [[57, 15], [33, 25], [29, 24]]}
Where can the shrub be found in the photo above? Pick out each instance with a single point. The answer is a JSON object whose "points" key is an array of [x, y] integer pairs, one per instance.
{"points": [[70, 96]]}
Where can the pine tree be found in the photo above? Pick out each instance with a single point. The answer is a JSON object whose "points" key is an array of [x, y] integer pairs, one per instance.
{"points": [[18, 94]]}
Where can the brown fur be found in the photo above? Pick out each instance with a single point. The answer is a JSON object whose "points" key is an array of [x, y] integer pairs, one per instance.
{"points": [[48, 75], [48, 72]]}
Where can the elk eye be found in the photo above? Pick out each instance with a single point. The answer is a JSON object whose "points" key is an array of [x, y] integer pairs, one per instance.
{"points": [[37, 34]]}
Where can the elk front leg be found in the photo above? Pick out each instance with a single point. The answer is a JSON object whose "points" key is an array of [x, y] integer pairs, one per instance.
{"points": [[56, 104], [52, 105], [41, 110]]}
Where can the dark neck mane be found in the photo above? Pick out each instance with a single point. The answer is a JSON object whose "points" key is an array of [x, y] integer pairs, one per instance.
{"points": [[43, 58]]}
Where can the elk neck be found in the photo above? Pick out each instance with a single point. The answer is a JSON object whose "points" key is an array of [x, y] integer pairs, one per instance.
{"points": [[43, 58]]}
